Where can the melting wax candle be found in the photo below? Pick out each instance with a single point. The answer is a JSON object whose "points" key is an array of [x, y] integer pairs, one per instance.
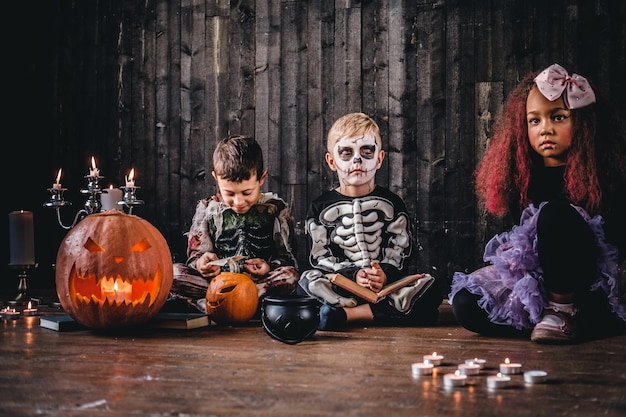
{"points": [[57, 184]]}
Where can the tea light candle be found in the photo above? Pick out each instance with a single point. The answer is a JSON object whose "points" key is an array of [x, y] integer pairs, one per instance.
{"points": [[110, 197], [498, 381], [10, 314], [477, 361], [21, 234], [535, 377], [470, 368], [434, 359], [454, 380], [508, 368], [30, 311], [422, 368]]}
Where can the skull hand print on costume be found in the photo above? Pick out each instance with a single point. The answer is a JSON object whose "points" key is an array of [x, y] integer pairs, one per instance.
{"points": [[356, 159]]}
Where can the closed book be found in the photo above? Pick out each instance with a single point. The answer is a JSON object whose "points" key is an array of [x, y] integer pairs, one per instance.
{"points": [[179, 321], [421, 281], [60, 323]]}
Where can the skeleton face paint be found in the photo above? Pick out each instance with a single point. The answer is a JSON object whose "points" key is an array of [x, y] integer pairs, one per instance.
{"points": [[356, 159]]}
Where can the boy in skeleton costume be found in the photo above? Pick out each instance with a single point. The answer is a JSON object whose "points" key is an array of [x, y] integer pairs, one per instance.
{"points": [[239, 221], [363, 232]]}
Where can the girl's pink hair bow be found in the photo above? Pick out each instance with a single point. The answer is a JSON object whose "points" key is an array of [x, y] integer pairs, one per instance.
{"points": [[554, 81]]}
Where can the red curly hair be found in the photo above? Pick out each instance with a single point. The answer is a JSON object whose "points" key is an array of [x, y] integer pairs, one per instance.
{"points": [[503, 176]]}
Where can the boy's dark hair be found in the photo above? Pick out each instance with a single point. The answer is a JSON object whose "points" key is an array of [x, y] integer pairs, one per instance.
{"points": [[236, 157]]}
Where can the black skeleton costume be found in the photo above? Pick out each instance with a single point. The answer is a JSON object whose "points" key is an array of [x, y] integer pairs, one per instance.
{"points": [[346, 234]]}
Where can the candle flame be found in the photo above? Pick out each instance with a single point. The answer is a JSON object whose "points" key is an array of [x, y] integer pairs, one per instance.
{"points": [[499, 375], [93, 163], [131, 175], [457, 372], [110, 186], [507, 361], [30, 305], [115, 286], [59, 176], [434, 354]]}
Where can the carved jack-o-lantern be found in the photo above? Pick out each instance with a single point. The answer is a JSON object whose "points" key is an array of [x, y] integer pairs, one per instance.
{"points": [[231, 298], [113, 270]]}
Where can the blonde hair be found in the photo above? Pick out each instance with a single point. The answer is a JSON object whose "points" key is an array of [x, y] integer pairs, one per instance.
{"points": [[352, 124]]}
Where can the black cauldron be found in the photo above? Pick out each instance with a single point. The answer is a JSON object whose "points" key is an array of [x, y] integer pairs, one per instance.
{"points": [[290, 319]]}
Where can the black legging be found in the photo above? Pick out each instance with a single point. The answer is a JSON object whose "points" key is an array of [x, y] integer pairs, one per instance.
{"points": [[567, 249]]}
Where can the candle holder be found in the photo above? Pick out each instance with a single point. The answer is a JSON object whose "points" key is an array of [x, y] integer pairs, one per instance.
{"points": [[130, 200], [22, 287], [92, 204]]}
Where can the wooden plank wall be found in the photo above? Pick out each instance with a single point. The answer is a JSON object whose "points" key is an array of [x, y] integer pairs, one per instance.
{"points": [[153, 84]]}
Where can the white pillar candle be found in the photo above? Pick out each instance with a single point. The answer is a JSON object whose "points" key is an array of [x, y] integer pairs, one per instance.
{"points": [[109, 199], [22, 238]]}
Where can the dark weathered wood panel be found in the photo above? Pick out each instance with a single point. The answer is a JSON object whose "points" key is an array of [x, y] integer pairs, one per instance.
{"points": [[153, 85]]}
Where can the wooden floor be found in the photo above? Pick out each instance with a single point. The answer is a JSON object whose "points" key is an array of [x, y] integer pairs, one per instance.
{"points": [[241, 371]]}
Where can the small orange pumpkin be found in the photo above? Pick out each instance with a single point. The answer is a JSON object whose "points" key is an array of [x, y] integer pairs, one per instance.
{"points": [[112, 270], [231, 298]]}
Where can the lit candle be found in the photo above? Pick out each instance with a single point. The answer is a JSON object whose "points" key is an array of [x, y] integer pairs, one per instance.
{"points": [[422, 368], [469, 368], [22, 238], [94, 171], [116, 293], [130, 178], [30, 311], [110, 197], [57, 184], [508, 368], [454, 380], [498, 381], [435, 359], [478, 361], [535, 377], [10, 314]]}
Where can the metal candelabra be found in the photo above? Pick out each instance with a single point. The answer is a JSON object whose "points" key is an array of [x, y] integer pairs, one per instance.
{"points": [[93, 203]]}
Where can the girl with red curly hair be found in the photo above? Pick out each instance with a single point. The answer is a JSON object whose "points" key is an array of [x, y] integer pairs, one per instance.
{"points": [[557, 162]]}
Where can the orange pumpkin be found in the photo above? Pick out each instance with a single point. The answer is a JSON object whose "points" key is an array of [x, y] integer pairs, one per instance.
{"points": [[231, 298], [113, 270]]}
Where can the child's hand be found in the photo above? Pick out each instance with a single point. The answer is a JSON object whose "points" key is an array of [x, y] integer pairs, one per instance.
{"points": [[206, 270], [373, 278], [256, 266]]}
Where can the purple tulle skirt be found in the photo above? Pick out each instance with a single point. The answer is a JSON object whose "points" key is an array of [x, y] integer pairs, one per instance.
{"points": [[511, 286]]}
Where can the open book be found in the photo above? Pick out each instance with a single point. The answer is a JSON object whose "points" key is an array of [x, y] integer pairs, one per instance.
{"points": [[423, 281]]}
